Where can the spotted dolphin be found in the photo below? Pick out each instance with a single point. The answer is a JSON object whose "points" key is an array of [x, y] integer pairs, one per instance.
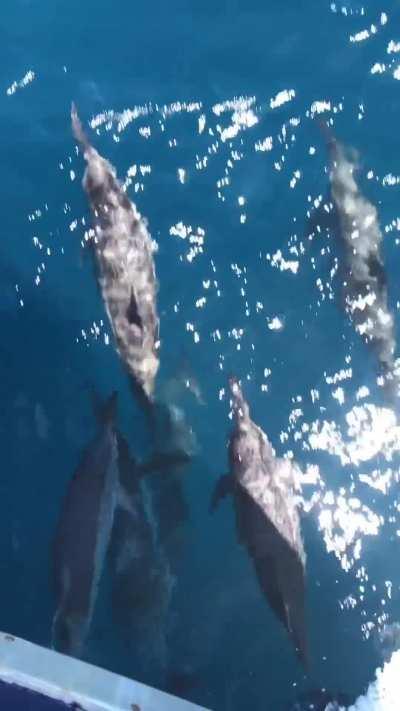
{"points": [[83, 534], [142, 581], [267, 519], [123, 254], [126, 272], [365, 282]]}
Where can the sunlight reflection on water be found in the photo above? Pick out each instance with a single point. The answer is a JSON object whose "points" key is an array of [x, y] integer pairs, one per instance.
{"points": [[240, 157]]}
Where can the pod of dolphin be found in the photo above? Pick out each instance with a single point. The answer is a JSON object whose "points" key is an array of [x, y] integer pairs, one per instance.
{"points": [[105, 510]]}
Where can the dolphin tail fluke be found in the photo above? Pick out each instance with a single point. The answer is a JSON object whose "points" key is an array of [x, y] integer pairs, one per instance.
{"points": [[223, 488], [299, 639], [77, 128]]}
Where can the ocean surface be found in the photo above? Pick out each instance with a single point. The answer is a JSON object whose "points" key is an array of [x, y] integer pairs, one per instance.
{"points": [[208, 111]]}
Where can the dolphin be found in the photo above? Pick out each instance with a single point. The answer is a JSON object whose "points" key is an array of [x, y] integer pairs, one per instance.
{"points": [[365, 281], [267, 519], [142, 581], [123, 252], [83, 534]]}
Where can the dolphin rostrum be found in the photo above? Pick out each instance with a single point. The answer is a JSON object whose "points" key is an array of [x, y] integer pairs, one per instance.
{"points": [[83, 535], [267, 519], [365, 282], [124, 259]]}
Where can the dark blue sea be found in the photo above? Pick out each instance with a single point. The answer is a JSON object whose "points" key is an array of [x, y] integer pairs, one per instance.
{"points": [[209, 109]]}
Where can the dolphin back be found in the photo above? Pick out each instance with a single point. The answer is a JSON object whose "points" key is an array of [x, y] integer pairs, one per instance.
{"points": [[82, 537]]}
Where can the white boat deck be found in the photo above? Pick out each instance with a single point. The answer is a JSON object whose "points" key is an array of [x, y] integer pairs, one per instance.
{"points": [[73, 681]]}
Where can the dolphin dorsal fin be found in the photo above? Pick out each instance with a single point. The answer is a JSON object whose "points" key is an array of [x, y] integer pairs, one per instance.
{"points": [[132, 312]]}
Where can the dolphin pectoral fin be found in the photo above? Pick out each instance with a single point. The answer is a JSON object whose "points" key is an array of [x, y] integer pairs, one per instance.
{"points": [[297, 635], [164, 461], [223, 488]]}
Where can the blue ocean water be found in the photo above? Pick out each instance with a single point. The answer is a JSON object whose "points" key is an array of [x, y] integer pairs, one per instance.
{"points": [[208, 108]]}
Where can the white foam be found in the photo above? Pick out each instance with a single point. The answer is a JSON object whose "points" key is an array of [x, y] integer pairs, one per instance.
{"points": [[265, 145], [275, 324], [383, 694], [393, 47], [27, 79], [282, 98], [378, 68]]}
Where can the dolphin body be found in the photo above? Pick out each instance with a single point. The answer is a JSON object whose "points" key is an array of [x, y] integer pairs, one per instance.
{"points": [[123, 251], [365, 282], [142, 578], [124, 259], [267, 519], [83, 535]]}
